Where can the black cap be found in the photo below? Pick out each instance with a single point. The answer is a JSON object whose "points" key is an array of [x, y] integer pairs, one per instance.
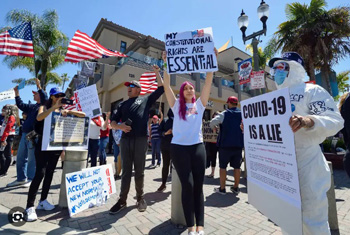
{"points": [[288, 56]]}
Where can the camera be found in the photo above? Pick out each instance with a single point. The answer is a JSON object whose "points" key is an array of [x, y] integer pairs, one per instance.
{"points": [[17, 217], [128, 122], [31, 136], [67, 101]]}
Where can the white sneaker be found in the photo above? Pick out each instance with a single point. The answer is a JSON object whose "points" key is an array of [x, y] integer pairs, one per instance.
{"points": [[16, 183], [27, 185], [192, 233], [201, 232], [31, 214], [45, 205]]}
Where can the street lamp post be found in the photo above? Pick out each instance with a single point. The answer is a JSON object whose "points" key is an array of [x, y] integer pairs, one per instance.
{"points": [[243, 21]]}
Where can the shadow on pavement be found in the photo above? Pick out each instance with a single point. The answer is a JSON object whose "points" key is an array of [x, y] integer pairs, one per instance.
{"points": [[155, 197], [166, 228], [218, 200]]}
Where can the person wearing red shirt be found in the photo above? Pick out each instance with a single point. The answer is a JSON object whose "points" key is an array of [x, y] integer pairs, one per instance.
{"points": [[10, 112], [104, 138]]}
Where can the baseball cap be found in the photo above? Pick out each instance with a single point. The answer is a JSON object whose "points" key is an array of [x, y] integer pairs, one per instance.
{"points": [[232, 99], [155, 117], [288, 56], [134, 82], [34, 92], [55, 91]]}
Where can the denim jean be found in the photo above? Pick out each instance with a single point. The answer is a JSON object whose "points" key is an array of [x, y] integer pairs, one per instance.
{"points": [[93, 150], [156, 151], [116, 151], [25, 159], [102, 149]]}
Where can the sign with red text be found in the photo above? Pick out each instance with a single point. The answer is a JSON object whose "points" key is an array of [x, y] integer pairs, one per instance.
{"points": [[257, 80], [244, 69], [191, 51], [89, 187], [272, 169]]}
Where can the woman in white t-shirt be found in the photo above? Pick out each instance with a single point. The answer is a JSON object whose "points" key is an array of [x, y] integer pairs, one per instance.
{"points": [[187, 149]]}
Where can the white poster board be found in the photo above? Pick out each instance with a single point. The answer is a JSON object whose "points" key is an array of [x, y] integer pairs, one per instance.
{"points": [[7, 95], [87, 101], [89, 187], [65, 133], [273, 183], [191, 51], [257, 80]]}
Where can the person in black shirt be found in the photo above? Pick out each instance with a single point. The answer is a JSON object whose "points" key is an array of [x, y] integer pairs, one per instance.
{"points": [[344, 107], [166, 133], [134, 115]]}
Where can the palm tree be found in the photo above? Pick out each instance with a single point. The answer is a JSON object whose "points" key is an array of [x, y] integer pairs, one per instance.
{"points": [[50, 45], [321, 37]]}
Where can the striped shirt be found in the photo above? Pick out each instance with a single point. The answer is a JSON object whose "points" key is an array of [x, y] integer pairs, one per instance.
{"points": [[155, 131]]}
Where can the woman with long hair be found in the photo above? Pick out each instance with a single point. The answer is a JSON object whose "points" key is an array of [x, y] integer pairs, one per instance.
{"points": [[344, 108], [7, 133], [187, 149], [46, 161]]}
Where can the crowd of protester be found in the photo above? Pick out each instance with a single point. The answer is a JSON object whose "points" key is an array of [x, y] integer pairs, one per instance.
{"points": [[175, 140]]}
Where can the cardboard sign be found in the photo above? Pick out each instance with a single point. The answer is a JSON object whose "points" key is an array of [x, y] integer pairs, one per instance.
{"points": [[191, 51], [87, 101], [257, 80], [7, 95], [244, 69], [273, 181], [89, 187], [65, 133], [209, 135]]}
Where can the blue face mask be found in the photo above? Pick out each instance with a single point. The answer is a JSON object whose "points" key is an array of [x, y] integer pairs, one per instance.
{"points": [[280, 76]]}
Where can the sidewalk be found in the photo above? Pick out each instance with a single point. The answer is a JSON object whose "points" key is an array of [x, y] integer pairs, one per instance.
{"points": [[224, 214]]}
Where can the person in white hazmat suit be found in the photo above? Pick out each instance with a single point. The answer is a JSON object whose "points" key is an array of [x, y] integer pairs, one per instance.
{"points": [[315, 117]]}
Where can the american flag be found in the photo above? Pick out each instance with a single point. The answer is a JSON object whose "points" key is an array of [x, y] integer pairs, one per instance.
{"points": [[82, 47], [148, 83], [17, 41]]}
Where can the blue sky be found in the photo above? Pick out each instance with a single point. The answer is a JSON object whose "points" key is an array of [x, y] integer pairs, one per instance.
{"points": [[152, 17]]}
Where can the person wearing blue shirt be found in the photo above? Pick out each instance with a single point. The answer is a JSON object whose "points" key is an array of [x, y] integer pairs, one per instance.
{"points": [[25, 156]]}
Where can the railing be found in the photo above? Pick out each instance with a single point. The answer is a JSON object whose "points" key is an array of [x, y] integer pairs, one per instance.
{"points": [[140, 58]]}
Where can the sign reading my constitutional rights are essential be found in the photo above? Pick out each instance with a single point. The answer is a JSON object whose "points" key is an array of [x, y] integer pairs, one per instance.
{"points": [[191, 51]]}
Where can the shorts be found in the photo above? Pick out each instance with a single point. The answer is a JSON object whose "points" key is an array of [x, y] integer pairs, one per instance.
{"points": [[230, 155]]}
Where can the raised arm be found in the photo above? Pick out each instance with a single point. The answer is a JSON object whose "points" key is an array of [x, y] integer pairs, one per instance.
{"points": [[207, 85], [161, 115], [167, 89]]}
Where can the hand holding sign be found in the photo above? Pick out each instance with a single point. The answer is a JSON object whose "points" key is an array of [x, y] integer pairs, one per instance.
{"points": [[297, 122]]}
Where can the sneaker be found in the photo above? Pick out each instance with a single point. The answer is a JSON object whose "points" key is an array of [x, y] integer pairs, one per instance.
{"points": [[117, 207], [27, 185], [219, 190], [192, 233], [210, 176], [141, 205], [161, 188], [31, 214], [16, 183], [45, 205], [200, 232], [235, 190], [3, 175]]}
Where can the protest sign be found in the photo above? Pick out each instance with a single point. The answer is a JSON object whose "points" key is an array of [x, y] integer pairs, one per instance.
{"points": [[191, 51], [88, 68], [273, 181], [22, 84], [209, 135], [89, 187], [65, 133], [244, 70], [80, 81], [87, 101], [7, 95], [257, 80]]}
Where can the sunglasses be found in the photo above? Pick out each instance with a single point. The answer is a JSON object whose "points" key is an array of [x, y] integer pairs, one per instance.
{"points": [[60, 95], [132, 86]]}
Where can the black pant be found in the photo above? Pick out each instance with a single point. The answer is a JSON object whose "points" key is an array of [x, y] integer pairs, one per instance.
{"points": [[133, 151], [189, 162], [46, 162], [346, 161], [5, 156], [211, 150], [165, 148]]}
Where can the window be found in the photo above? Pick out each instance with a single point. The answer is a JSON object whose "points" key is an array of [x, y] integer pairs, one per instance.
{"points": [[122, 46]]}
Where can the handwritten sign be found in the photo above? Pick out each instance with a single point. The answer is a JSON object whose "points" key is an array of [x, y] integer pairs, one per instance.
{"points": [[271, 160], [257, 80], [191, 51], [244, 70], [7, 95], [87, 101], [65, 133], [89, 187], [209, 135]]}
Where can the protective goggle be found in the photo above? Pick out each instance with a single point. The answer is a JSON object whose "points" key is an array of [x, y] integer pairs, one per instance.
{"points": [[279, 66]]}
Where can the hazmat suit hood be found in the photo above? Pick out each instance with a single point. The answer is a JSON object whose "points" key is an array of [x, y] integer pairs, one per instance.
{"points": [[295, 76]]}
